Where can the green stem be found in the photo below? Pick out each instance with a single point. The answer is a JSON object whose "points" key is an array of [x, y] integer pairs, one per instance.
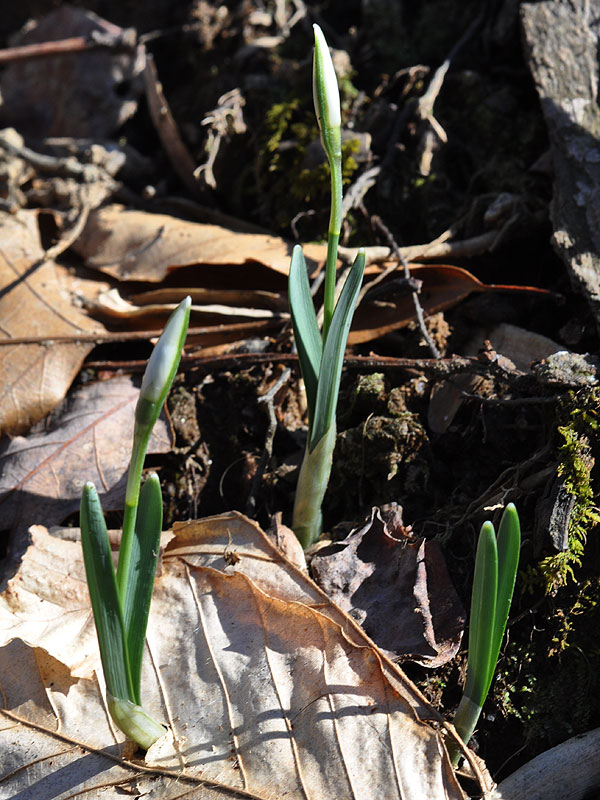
{"points": [[310, 491], [141, 437], [467, 715], [335, 225]]}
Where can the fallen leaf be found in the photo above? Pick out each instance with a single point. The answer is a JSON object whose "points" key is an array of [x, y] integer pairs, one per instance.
{"points": [[397, 586], [136, 245], [35, 301], [87, 438], [166, 128], [268, 689], [252, 267], [111, 304], [79, 94], [226, 297], [443, 286]]}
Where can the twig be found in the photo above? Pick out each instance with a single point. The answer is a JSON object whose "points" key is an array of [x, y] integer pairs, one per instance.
{"points": [[415, 295], [356, 193], [68, 167], [424, 106], [438, 248], [125, 40], [267, 398], [103, 337], [435, 368], [71, 235], [166, 127]]}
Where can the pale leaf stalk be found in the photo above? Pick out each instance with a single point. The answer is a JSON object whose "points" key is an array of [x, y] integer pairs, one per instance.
{"points": [[135, 722], [311, 488], [465, 720]]}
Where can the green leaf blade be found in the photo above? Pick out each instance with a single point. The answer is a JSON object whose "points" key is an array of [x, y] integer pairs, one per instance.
{"points": [[482, 620], [104, 597], [332, 360], [306, 329], [140, 579], [509, 546]]}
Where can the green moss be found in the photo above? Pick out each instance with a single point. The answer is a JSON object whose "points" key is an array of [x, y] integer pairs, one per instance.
{"points": [[278, 120], [549, 673], [580, 429], [288, 178], [549, 679]]}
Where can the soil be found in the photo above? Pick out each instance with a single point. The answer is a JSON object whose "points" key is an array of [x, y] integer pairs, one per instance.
{"points": [[508, 441]]}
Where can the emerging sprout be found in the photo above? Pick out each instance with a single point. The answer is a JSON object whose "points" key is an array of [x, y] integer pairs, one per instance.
{"points": [[496, 563], [121, 600], [321, 353]]}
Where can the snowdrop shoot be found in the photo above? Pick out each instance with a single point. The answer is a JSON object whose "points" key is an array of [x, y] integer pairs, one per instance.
{"points": [[496, 563], [121, 600], [321, 353]]}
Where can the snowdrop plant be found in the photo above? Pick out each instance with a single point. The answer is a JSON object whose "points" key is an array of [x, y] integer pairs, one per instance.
{"points": [[496, 563], [121, 600], [321, 352]]}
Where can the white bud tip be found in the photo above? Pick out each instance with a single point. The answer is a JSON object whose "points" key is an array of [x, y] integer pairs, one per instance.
{"points": [[325, 86], [166, 354]]}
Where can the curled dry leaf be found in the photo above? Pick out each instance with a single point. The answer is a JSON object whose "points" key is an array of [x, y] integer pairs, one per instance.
{"points": [[397, 586], [243, 276], [87, 438], [35, 301], [268, 689], [136, 245], [209, 307], [443, 286]]}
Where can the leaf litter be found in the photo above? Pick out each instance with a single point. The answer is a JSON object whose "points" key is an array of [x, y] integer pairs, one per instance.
{"points": [[87, 438], [397, 586], [35, 300], [267, 687], [384, 314]]}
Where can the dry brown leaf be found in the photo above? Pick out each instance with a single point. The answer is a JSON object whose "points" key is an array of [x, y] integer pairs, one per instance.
{"points": [[85, 94], [204, 312], [247, 271], [135, 245], [443, 286], [87, 438], [254, 298], [267, 687], [397, 586], [35, 301]]}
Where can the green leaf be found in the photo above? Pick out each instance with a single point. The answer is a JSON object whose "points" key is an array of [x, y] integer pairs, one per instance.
{"points": [[509, 545], [483, 612], [306, 329], [140, 579], [333, 353], [102, 586]]}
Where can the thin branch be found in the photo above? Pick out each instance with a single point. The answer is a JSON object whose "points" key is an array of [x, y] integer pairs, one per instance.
{"points": [[267, 398], [415, 295], [124, 41]]}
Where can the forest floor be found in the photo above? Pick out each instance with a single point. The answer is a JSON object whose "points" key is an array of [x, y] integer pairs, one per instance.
{"points": [[450, 419]]}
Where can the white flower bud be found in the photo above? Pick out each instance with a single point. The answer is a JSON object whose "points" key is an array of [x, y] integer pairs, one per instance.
{"points": [[326, 95], [165, 356]]}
